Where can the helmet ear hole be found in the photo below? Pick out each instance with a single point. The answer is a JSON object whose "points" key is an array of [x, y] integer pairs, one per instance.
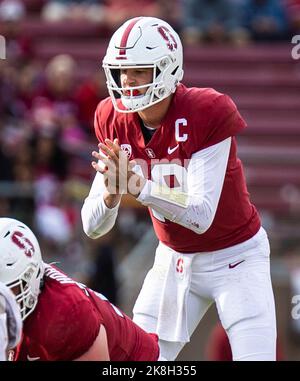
{"points": [[161, 92], [163, 63]]}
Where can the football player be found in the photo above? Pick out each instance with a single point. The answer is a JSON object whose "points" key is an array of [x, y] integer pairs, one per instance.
{"points": [[174, 149], [10, 321], [63, 319]]}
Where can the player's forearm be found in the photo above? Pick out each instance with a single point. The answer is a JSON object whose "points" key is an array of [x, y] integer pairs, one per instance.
{"points": [[194, 205], [111, 200], [100, 209], [97, 217], [193, 212]]}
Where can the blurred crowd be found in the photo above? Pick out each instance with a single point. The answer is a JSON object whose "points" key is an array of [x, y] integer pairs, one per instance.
{"points": [[46, 123], [237, 21], [197, 20]]}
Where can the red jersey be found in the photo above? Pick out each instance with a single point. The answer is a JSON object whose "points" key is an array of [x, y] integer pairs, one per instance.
{"points": [[66, 322], [196, 119]]}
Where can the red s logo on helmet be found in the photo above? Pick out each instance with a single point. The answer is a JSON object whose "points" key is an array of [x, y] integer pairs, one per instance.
{"points": [[168, 37], [23, 243]]}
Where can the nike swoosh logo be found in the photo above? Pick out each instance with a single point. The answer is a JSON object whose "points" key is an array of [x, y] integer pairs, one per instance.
{"points": [[171, 150], [232, 265], [32, 358]]}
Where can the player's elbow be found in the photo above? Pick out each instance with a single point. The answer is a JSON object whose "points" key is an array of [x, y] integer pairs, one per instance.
{"points": [[87, 225], [91, 234], [199, 228], [89, 231], [203, 219]]}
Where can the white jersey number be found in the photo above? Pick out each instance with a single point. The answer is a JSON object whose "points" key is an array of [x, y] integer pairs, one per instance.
{"points": [[163, 174]]}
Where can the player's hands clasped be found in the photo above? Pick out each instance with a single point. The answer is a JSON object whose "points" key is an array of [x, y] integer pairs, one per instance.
{"points": [[116, 168]]}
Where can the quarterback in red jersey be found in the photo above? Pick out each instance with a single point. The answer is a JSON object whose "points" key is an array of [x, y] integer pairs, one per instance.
{"points": [[63, 320], [174, 149]]}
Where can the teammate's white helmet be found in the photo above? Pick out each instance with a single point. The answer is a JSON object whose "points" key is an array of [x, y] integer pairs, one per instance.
{"points": [[143, 42], [21, 264]]}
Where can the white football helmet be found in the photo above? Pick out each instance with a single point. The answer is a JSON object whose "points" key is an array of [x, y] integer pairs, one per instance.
{"points": [[21, 264], [143, 42]]}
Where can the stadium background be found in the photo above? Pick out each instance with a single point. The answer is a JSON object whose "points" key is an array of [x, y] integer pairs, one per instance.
{"points": [[50, 84]]}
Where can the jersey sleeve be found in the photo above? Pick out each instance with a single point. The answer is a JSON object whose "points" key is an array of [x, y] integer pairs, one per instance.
{"points": [[104, 120], [225, 121], [97, 124], [205, 178], [80, 328]]}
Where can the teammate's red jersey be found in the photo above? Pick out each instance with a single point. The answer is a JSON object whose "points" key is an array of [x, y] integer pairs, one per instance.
{"points": [[196, 119], [66, 322]]}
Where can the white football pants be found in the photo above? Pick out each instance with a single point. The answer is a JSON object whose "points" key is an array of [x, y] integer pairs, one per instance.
{"points": [[180, 288]]}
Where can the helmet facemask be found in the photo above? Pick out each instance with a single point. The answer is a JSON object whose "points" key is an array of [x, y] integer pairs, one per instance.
{"points": [[27, 288]]}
